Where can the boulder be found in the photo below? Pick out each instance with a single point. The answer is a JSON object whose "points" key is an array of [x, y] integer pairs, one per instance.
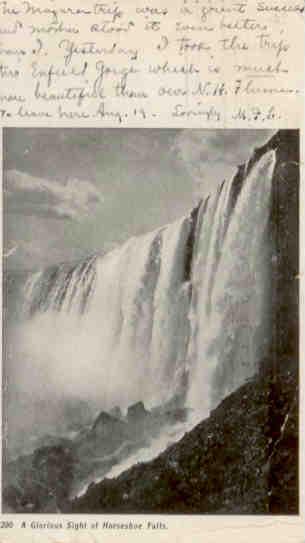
{"points": [[137, 412]]}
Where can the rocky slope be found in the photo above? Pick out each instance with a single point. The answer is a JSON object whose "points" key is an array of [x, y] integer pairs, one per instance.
{"points": [[242, 459], [44, 480]]}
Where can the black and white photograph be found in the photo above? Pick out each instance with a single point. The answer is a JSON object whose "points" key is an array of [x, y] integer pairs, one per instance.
{"points": [[150, 321]]}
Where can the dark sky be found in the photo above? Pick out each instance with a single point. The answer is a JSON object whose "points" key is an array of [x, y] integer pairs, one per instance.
{"points": [[71, 192]]}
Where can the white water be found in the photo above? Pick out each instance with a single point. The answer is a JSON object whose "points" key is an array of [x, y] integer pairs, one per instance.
{"points": [[98, 332], [231, 279], [126, 326]]}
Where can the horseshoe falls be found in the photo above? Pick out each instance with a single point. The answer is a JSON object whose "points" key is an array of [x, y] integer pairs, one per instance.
{"points": [[183, 312], [231, 305]]}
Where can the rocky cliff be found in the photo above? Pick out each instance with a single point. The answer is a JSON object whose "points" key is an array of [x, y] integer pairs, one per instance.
{"points": [[241, 460]]}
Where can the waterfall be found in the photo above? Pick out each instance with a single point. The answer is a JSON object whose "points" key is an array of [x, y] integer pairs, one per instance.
{"points": [[113, 329], [230, 306], [189, 299]]}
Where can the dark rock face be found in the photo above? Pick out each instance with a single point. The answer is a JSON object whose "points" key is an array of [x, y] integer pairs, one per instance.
{"points": [[42, 481], [33, 483], [106, 434], [233, 462], [105, 424], [282, 428], [136, 412], [190, 243], [285, 232]]}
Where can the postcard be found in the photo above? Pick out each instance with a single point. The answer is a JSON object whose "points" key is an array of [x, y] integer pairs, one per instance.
{"points": [[152, 270]]}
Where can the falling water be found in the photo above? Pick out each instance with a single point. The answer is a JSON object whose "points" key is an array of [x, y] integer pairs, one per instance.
{"points": [[231, 280], [111, 330], [129, 325]]}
